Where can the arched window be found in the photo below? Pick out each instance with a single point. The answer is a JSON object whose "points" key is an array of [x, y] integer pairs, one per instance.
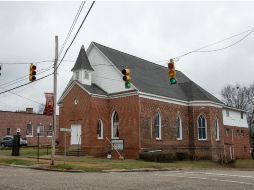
{"points": [[115, 126], [202, 130], [100, 130], [217, 129], [179, 130], [158, 126]]}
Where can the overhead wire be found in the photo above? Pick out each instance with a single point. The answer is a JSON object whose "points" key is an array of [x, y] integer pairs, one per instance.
{"points": [[72, 26], [62, 57], [249, 31], [26, 83], [20, 79], [91, 6]]}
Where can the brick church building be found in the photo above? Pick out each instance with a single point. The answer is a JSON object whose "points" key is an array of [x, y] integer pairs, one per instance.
{"points": [[151, 115]]}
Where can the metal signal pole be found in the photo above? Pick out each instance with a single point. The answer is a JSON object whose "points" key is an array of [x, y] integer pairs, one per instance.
{"points": [[54, 104]]}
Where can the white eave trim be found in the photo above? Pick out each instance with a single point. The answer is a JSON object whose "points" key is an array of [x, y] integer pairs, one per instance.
{"points": [[232, 108], [179, 102]]}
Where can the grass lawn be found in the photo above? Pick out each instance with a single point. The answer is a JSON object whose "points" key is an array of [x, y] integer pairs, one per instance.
{"points": [[28, 157], [26, 151]]}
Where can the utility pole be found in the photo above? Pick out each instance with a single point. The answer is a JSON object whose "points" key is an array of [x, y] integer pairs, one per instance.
{"points": [[54, 104]]}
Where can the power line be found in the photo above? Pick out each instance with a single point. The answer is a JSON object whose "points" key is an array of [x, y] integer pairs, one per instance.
{"points": [[76, 34], [23, 97], [26, 84], [24, 77], [72, 26], [25, 63], [229, 45], [214, 43]]}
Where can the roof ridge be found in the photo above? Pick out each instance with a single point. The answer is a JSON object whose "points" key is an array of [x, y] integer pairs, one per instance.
{"points": [[129, 54]]}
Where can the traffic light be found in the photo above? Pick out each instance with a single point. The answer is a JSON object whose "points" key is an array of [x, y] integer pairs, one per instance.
{"points": [[32, 72], [172, 72], [0, 69], [127, 77]]}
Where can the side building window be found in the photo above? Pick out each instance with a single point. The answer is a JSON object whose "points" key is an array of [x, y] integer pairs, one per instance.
{"points": [[8, 131], [115, 126], [217, 129], [202, 128], [50, 131], [29, 130], [100, 130], [40, 129], [179, 130], [158, 126]]}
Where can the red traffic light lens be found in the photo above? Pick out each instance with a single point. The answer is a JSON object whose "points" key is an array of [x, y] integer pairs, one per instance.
{"points": [[171, 66], [33, 67]]}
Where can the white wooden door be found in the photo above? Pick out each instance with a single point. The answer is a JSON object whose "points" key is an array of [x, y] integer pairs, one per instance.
{"points": [[75, 134]]}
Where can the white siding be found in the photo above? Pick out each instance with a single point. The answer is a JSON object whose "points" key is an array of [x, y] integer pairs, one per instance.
{"points": [[234, 118], [105, 75]]}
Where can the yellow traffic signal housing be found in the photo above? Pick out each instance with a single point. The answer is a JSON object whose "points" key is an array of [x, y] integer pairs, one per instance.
{"points": [[172, 72], [32, 72], [127, 77]]}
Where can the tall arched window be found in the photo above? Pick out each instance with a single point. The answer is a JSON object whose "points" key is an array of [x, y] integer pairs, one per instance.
{"points": [[202, 129], [179, 130], [115, 126], [100, 130], [158, 126], [217, 129]]}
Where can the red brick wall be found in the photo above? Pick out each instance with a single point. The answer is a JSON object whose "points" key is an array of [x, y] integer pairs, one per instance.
{"points": [[136, 125], [20, 120], [209, 148], [237, 139], [89, 110]]}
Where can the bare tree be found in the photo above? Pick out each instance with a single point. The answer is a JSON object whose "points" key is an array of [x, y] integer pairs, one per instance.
{"points": [[241, 97], [236, 96]]}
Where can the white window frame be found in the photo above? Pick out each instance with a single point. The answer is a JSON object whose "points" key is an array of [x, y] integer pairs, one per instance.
{"points": [[7, 131], [114, 125], [28, 135], [86, 75], [157, 125], [50, 125], [41, 126], [180, 128], [217, 129], [202, 139], [227, 113], [101, 131], [77, 75]]}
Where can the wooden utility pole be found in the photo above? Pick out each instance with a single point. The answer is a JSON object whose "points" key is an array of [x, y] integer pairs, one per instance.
{"points": [[54, 108]]}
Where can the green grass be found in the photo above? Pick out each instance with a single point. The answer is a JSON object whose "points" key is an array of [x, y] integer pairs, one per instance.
{"points": [[26, 151], [28, 157], [17, 161], [244, 164]]}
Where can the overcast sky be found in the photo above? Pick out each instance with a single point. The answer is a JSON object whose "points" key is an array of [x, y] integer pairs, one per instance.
{"points": [[151, 30]]}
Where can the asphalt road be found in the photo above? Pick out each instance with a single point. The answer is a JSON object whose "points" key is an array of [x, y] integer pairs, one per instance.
{"points": [[12, 178]]}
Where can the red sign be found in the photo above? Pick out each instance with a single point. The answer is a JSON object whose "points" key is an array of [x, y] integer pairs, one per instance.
{"points": [[48, 110]]}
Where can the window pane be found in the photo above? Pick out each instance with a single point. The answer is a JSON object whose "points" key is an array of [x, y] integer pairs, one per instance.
{"points": [[50, 131], [115, 125], [29, 130]]}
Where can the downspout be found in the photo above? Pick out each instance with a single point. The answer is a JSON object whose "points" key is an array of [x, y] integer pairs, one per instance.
{"points": [[233, 143]]}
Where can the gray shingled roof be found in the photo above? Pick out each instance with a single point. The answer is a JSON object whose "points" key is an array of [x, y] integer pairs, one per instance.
{"points": [[94, 89], [82, 61], [153, 78]]}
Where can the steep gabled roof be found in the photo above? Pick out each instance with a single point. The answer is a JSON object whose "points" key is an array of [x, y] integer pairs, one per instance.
{"points": [[82, 61], [152, 78]]}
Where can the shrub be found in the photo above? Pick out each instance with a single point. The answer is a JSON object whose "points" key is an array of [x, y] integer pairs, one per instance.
{"points": [[156, 156], [182, 156]]}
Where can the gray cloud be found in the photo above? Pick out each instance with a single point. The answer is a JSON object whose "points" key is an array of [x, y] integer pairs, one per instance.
{"points": [[151, 30]]}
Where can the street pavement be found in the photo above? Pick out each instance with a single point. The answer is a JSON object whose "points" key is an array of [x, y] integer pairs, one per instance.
{"points": [[13, 178]]}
